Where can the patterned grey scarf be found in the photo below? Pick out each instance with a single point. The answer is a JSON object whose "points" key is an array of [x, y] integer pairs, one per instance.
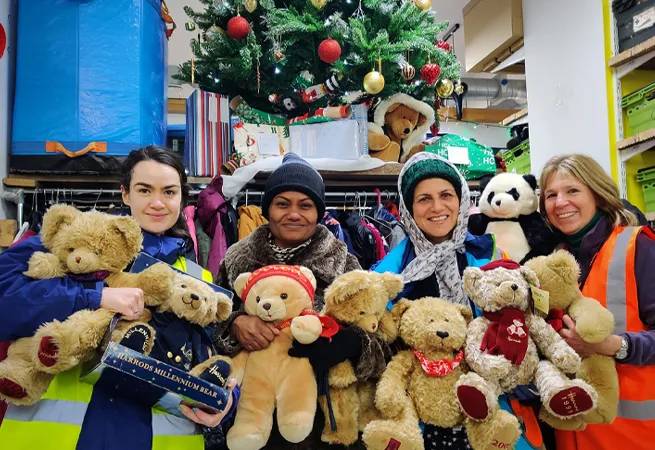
{"points": [[283, 255], [438, 259]]}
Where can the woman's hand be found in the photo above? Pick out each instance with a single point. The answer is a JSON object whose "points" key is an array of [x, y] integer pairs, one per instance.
{"points": [[608, 347], [125, 301], [253, 333], [210, 420]]}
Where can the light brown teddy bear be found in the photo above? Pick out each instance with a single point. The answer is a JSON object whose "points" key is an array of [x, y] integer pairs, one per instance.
{"points": [[282, 295], [502, 347], [420, 383], [558, 274], [359, 299], [93, 246], [399, 126]]}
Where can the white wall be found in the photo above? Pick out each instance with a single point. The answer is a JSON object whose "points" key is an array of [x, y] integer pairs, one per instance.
{"points": [[7, 68], [490, 135], [565, 73]]}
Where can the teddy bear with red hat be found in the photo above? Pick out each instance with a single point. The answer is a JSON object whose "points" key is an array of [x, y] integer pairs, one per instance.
{"points": [[504, 344], [282, 295]]}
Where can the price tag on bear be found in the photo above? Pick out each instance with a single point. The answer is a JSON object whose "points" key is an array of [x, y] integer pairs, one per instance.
{"points": [[540, 298]]}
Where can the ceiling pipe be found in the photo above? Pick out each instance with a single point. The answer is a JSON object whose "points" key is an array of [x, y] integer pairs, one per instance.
{"points": [[496, 90]]}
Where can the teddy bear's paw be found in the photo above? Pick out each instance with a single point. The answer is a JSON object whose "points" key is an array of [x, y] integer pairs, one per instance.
{"points": [[500, 432], [565, 358], [577, 423], [252, 441], [157, 284], [391, 435], [9, 389], [48, 352], [217, 373], [295, 427], [306, 329], [44, 265], [572, 401], [139, 337], [473, 402]]}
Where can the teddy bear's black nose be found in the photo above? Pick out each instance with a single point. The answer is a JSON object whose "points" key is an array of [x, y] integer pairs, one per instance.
{"points": [[442, 334], [514, 287], [498, 202], [267, 306], [407, 130], [194, 297]]}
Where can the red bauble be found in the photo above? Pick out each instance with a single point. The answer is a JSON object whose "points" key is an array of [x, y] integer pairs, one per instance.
{"points": [[430, 73], [238, 28], [329, 51], [443, 45]]}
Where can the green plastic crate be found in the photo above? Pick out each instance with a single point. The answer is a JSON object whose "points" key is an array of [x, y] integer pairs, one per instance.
{"points": [[481, 156], [517, 159], [640, 106], [649, 195], [646, 174]]}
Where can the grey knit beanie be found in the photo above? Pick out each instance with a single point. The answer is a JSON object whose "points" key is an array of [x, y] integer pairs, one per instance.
{"points": [[295, 174]]}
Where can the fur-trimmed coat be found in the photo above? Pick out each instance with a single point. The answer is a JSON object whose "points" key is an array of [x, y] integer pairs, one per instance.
{"points": [[327, 257]]}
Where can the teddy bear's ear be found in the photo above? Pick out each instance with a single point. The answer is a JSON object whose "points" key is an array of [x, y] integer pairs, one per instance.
{"points": [[530, 276], [564, 264], [224, 307], [393, 107], [54, 219], [421, 120], [129, 230], [466, 312], [471, 276], [347, 285], [309, 274], [393, 284], [400, 308], [388, 326], [240, 283]]}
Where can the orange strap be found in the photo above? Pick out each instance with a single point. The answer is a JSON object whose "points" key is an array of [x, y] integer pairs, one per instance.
{"points": [[95, 147], [165, 14], [532, 431]]}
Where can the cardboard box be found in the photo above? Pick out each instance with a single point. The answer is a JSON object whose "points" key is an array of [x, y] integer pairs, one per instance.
{"points": [[177, 387], [491, 27]]}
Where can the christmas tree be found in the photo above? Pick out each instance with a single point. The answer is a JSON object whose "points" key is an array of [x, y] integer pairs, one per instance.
{"points": [[294, 56]]}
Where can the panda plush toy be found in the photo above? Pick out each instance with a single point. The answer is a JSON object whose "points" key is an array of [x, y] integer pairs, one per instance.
{"points": [[508, 209]]}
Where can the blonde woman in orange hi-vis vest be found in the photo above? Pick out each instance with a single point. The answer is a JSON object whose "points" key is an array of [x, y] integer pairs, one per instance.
{"points": [[581, 202]]}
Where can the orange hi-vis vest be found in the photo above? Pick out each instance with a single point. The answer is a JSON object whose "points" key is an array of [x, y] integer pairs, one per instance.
{"points": [[612, 283]]}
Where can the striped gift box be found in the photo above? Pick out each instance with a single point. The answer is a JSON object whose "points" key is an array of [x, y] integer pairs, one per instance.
{"points": [[208, 139]]}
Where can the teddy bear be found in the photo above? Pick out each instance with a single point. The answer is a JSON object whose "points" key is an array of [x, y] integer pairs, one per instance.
{"points": [[558, 274], [508, 210], [419, 383], [282, 295], [399, 125], [358, 299], [504, 343], [92, 247]]}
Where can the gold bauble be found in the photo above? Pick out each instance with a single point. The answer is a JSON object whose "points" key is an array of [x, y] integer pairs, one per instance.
{"points": [[423, 4], [459, 88], [445, 88], [373, 82], [250, 5], [319, 4]]}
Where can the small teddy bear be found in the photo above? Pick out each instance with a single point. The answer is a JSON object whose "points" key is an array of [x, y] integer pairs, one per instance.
{"points": [[558, 274], [358, 299], [282, 295], [419, 383], [90, 247], [399, 125], [502, 347]]}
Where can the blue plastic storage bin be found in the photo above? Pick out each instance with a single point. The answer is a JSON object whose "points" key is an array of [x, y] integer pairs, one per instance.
{"points": [[90, 84]]}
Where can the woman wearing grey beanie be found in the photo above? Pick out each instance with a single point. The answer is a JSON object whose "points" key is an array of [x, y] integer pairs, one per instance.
{"points": [[294, 204]]}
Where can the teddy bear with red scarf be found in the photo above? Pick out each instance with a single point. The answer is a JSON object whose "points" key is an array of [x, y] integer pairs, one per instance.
{"points": [[503, 347], [271, 379]]}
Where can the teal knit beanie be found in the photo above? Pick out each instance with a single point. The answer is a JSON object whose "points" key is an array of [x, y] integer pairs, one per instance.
{"points": [[424, 169]]}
